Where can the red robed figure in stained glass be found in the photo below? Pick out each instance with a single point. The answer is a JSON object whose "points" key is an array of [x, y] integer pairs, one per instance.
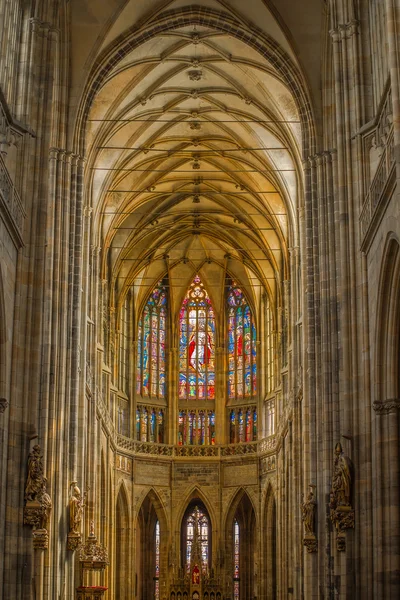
{"points": [[203, 358]]}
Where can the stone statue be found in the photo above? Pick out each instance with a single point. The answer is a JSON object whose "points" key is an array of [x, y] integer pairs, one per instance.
{"points": [[37, 501], [341, 511], [35, 474], [341, 481], [76, 506], [45, 502], [308, 512]]}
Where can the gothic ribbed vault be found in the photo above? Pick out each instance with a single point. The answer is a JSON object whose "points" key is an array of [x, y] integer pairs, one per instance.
{"points": [[194, 145]]}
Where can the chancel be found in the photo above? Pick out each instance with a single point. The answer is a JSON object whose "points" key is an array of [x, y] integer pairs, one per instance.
{"points": [[199, 300]]}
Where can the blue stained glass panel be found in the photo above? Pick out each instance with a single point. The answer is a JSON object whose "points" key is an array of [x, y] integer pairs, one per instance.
{"points": [[196, 344], [151, 371]]}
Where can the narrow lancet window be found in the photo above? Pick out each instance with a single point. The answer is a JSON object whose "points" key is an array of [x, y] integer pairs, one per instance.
{"points": [[196, 538], [157, 562], [242, 340], [150, 373], [236, 561]]}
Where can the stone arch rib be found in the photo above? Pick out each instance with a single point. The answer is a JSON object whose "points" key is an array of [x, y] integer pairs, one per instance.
{"points": [[221, 21]]}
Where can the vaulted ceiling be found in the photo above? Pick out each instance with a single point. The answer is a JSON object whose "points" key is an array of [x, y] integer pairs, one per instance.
{"points": [[193, 152]]}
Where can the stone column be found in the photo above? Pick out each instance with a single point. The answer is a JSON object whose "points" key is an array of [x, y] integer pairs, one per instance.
{"points": [[173, 395]]}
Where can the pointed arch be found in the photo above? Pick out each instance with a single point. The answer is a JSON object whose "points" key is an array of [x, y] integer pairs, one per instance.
{"points": [[103, 497], [149, 550], [241, 519], [388, 324], [152, 497], [196, 516], [220, 21], [3, 341], [123, 583], [196, 344], [242, 349], [237, 498], [270, 539], [193, 493], [151, 345]]}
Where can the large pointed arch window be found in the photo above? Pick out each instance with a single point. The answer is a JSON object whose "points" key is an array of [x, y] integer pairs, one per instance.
{"points": [[150, 373], [196, 345], [242, 352], [196, 537]]}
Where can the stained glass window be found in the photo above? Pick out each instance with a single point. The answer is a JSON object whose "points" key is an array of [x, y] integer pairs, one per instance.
{"points": [[242, 340], [150, 373], [236, 560], [196, 427], [269, 339], [197, 517], [157, 562], [243, 424], [197, 345], [149, 424]]}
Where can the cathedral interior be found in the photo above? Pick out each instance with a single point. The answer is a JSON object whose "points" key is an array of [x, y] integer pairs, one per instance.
{"points": [[199, 299]]}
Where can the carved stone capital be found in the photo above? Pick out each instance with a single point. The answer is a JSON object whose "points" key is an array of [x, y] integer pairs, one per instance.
{"points": [[73, 541], [311, 543], [342, 518], [335, 35], [3, 404], [341, 542], [33, 513], [387, 406]]}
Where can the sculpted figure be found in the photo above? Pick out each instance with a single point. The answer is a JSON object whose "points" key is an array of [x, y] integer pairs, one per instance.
{"points": [[45, 501], [76, 506], [341, 482], [34, 480], [308, 512]]}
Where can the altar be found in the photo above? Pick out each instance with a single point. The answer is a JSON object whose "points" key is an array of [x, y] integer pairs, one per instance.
{"points": [[196, 581]]}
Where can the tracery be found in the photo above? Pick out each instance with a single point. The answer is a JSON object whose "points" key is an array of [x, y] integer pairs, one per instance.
{"points": [[242, 340], [197, 345], [151, 338], [196, 516]]}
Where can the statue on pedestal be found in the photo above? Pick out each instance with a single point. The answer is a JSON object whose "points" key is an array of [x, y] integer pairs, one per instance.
{"points": [[341, 481], [37, 500], [76, 506], [308, 509], [341, 511]]}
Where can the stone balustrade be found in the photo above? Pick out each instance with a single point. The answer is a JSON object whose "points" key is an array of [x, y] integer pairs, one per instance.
{"points": [[132, 447], [379, 175]]}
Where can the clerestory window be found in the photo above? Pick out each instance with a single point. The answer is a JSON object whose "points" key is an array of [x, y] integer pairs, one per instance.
{"points": [[242, 350], [151, 339], [196, 345]]}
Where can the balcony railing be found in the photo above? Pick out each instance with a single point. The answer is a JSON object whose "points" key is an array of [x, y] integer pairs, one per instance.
{"points": [[376, 192], [134, 447]]}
